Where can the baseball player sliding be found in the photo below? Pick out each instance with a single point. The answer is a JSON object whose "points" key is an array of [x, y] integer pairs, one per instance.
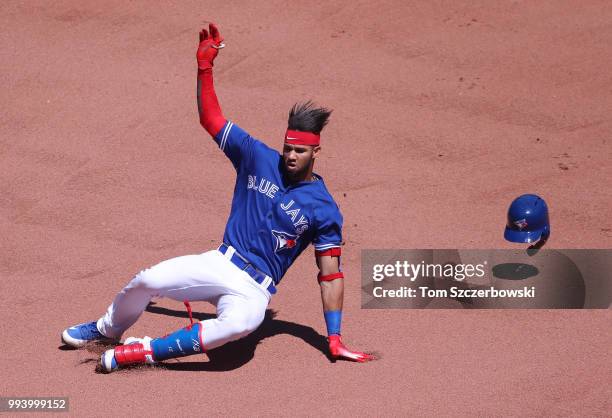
{"points": [[279, 207]]}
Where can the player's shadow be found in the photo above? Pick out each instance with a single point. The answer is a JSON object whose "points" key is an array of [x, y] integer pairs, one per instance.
{"points": [[236, 354], [514, 271]]}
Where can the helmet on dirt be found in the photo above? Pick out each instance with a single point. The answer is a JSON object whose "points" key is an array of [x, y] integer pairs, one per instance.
{"points": [[527, 219]]}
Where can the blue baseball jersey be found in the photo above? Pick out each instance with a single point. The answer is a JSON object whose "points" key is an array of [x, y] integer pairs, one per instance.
{"points": [[272, 221]]}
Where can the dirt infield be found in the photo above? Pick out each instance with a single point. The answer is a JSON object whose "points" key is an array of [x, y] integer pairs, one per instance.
{"points": [[443, 113]]}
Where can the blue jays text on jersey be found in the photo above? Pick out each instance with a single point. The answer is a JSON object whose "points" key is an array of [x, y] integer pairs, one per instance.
{"points": [[271, 220]]}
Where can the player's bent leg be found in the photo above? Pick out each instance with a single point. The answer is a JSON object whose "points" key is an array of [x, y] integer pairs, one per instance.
{"points": [[176, 274], [241, 306], [238, 317]]}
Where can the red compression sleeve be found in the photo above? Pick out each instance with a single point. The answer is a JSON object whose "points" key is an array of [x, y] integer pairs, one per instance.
{"points": [[211, 117]]}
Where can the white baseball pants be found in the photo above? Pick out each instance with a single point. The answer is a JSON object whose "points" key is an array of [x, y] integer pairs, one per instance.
{"points": [[241, 302]]}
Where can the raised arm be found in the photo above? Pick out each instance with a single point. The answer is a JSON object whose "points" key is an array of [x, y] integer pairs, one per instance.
{"points": [[209, 110], [331, 281]]}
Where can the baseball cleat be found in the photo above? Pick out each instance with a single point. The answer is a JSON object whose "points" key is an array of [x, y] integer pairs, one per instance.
{"points": [[108, 362], [134, 351], [79, 335]]}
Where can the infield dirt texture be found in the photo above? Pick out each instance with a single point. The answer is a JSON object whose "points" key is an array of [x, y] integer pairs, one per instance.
{"points": [[443, 113]]}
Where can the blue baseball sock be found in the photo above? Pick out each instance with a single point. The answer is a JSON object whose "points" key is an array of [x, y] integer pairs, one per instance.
{"points": [[184, 342]]}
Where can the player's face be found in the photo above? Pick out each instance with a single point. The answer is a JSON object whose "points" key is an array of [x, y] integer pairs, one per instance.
{"points": [[298, 158]]}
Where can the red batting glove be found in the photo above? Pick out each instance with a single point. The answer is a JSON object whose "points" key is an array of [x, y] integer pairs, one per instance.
{"points": [[209, 47], [338, 350]]}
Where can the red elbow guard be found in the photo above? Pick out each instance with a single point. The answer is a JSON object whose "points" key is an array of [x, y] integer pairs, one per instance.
{"points": [[330, 277], [332, 252]]}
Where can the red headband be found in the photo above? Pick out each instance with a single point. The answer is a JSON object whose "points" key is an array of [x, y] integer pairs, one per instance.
{"points": [[302, 138]]}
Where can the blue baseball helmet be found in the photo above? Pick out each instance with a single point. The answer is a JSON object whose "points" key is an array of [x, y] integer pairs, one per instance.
{"points": [[527, 219]]}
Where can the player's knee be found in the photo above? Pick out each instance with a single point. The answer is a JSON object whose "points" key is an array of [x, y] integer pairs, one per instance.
{"points": [[240, 325], [146, 279], [240, 328]]}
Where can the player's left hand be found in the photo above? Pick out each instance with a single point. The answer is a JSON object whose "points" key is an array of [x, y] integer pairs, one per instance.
{"points": [[339, 351], [210, 43]]}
